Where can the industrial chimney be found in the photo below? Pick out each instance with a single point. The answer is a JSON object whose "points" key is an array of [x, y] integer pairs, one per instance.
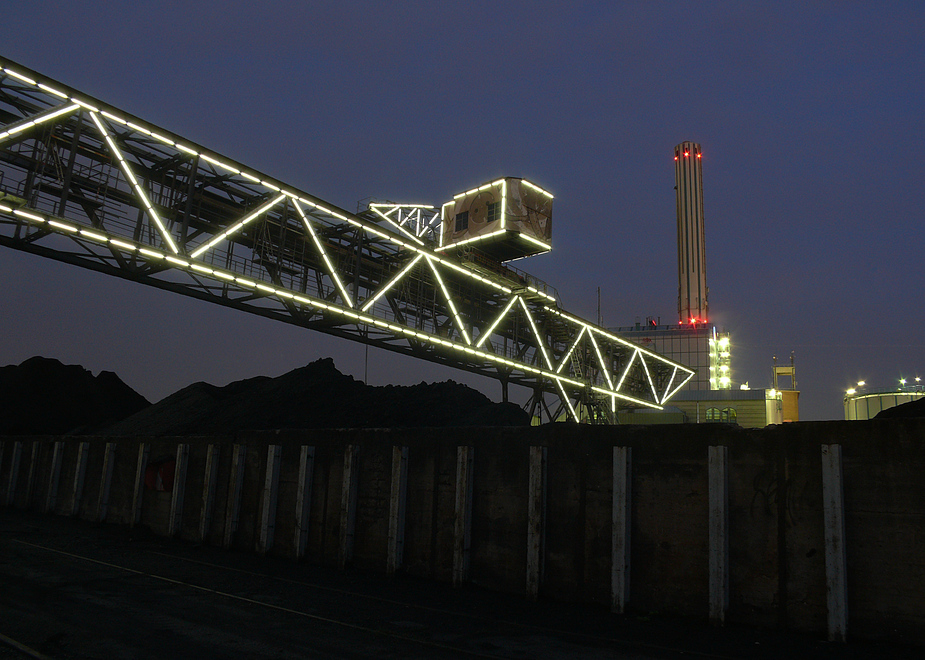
{"points": [[692, 266]]}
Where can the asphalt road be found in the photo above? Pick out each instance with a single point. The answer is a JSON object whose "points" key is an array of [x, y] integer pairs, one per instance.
{"points": [[72, 589]]}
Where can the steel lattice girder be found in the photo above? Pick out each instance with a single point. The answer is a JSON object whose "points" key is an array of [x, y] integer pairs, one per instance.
{"points": [[87, 184]]}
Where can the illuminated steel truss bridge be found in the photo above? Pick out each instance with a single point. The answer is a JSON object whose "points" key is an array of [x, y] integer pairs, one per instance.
{"points": [[87, 184]]}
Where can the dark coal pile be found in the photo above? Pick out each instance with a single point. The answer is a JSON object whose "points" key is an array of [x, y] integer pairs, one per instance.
{"points": [[912, 409], [42, 396], [312, 397]]}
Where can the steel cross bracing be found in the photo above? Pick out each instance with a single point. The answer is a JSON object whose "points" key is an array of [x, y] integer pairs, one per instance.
{"points": [[87, 184]]}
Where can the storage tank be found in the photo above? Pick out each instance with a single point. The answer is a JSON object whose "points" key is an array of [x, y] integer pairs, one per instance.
{"points": [[507, 219]]}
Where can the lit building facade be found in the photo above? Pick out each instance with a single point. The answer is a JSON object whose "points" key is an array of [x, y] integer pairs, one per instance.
{"points": [[692, 262], [698, 346]]}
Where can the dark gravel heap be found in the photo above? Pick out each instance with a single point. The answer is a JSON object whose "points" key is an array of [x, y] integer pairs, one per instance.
{"points": [[42, 396], [912, 409], [312, 397]]}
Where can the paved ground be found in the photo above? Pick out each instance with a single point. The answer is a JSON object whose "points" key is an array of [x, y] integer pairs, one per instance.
{"points": [[72, 589]]}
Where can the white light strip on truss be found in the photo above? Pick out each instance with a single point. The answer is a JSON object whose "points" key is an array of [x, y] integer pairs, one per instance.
{"points": [[498, 320], [449, 301], [404, 271], [537, 188], [475, 239], [627, 370], [479, 189], [225, 234], [319, 304], [530, 239], [649, 376], [615, 338], [627, 397], [600, 359], [536, 333], [126, 168], [397, 225], [212, 158], [38, 119], [670, 383], [324, 254], [568, 354], [394, 238], [677, 389], [568, 401]]}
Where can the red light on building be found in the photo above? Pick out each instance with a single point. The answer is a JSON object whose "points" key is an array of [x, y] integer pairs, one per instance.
{"points": [[698, 155], [676, 158], [686, 154]]}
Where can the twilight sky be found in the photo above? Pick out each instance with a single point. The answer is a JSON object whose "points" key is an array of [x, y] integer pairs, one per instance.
{"points": [[811, 116]]}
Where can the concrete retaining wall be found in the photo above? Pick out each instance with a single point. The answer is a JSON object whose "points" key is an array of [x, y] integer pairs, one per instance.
{"points": [[807, 526]]}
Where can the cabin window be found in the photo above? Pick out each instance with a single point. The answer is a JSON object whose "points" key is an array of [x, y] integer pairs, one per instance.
{"points": [[462, 221]]}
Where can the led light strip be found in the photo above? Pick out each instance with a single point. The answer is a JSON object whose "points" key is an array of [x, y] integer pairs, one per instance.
{"points": [[627, 370], [568, 354], [670, 382], [498, 320], [600, 359], [38, 119], [535, 241], [568, 401], [127, 170], [537, 188], [536, 333], [627, 397], [649, 376], [225, 234], [432, 257], [677, 389], [479, 189], [324, 255], [449, 302], [395, 238], [541, 293], [614, 338], [397, 225], [474, 239], [404, 271], [319, 304]]}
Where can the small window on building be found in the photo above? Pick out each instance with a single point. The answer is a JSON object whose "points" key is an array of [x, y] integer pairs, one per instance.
{"points": [[713, 415], [729, 414], [494, 211], [462, 221]]}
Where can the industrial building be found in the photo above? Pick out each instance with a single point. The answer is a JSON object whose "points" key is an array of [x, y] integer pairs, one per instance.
{"points": [[864, 403], [694, 341]]}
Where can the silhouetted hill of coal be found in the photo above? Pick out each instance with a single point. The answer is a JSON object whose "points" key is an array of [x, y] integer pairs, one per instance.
{"points": [[911, 409], [42, 396], [312, 397]]}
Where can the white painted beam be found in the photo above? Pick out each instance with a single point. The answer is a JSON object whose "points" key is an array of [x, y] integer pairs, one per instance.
{"points": [[269, 499], [303, 502], [235, 486], [621, 524], [179, 489], [348, 504], [462, 527], [209, 478], [536, 514], [719, 532], [836, 583], [397, 501]]}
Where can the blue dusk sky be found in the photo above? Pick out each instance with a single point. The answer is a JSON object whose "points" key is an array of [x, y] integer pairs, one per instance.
{"points": [[811, 116]]}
